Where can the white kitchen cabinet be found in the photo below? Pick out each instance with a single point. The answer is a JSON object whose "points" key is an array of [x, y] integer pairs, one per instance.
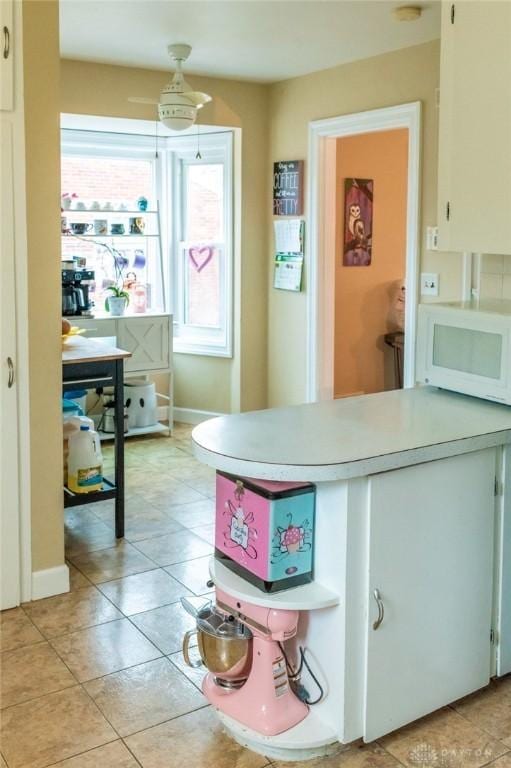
{"points": [[431, 560], [147, 337], [6, 55], [474, 173], [15, 568], [9, 495], [413, 498], [502, 599]]}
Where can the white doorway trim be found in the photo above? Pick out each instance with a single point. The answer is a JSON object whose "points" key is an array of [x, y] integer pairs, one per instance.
{"points": [[320, 294]]}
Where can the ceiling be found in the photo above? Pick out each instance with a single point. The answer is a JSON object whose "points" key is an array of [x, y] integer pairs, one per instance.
{"points": [[258, 40]]}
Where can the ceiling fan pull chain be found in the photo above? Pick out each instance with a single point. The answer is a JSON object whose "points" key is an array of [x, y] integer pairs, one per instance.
{"points": [[198, 156]]}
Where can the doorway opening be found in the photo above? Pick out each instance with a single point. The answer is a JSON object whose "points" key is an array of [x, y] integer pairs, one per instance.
{"points": [[363, 252]]}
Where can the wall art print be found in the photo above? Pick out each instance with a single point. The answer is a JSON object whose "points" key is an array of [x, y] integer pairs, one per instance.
{"points": [[358, 222]]}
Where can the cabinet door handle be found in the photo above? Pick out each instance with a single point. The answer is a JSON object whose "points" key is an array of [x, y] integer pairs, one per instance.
{"points": [[10, 377], [381, 609], [7, 42]]}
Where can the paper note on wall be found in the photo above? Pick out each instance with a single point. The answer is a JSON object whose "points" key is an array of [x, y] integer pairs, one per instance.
{"points": [[288, 272], [289, 236]]}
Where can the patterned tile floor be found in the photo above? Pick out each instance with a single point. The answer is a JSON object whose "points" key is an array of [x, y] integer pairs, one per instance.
{"points": [[95, 678]]}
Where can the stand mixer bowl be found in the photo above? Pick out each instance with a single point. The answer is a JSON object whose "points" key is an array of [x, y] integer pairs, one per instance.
{"points": [[225, 646]]}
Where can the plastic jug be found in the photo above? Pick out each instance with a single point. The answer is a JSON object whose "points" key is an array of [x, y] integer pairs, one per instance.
{"points": [[72, 423], [85, 462]]}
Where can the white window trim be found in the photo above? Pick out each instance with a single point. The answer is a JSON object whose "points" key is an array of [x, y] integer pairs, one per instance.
{"points": [[215, 147], [193, 339]]}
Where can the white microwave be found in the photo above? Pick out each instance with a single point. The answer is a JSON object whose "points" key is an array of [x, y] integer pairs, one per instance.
{"points": [[466, 347]]}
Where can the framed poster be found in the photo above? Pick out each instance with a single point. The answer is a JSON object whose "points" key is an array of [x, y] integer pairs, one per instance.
{"points": [[288, 188], [358, 222]]}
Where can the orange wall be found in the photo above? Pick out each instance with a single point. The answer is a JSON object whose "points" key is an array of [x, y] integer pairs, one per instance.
{"points": [[363, 294]]}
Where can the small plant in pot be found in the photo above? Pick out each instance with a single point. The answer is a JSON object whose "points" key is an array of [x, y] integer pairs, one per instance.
{"points": [[118, 301]]}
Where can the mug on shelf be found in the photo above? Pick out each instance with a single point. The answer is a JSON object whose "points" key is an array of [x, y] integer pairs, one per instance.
{"points": [[137, 225], [117, 229], [80, 227], [100, 226]]}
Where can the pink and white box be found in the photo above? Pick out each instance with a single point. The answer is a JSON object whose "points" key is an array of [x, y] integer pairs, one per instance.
{"points": [[264, 530]]}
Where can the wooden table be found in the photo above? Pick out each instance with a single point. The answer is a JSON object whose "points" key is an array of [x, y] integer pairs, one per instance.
{"points": [[92, 363]]}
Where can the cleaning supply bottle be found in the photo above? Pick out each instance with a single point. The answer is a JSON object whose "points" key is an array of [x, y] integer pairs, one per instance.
{"points": [[72, 424], [85, 462]]}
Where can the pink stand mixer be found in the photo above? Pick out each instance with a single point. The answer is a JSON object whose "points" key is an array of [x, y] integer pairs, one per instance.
{"points": [[248, 679]]}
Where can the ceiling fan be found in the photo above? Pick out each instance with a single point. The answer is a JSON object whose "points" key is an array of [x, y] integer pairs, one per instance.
{"points": [[178, 104]]}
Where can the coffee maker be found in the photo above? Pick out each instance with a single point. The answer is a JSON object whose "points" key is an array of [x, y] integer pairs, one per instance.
{"points": [[75, 291]]}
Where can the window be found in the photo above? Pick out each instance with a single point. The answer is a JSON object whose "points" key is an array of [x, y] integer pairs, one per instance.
{"points": [[192, 200], [105, 171], [203, 246]]}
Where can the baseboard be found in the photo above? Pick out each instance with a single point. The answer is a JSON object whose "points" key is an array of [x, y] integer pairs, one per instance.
{"points": [[193, 416], [51, 581]]}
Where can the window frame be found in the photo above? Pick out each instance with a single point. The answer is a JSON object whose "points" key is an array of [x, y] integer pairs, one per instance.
{"points": [[101, 144], [191, 339], [173, 151]]}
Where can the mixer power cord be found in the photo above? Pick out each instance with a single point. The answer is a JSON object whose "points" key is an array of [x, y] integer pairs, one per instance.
{"points": [[294, 677]]}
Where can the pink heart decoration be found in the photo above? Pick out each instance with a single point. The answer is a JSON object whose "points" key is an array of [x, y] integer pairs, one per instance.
{"points": [[200, 257]]}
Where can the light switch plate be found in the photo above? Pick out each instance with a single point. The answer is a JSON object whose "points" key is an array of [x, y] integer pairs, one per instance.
{"points": [[429, 284]]}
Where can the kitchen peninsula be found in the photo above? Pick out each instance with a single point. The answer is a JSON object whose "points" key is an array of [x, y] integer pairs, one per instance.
{"points": [[410, 607]]}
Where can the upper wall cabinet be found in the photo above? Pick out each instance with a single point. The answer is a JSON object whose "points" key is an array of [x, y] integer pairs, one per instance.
{"points": [[6, 56], [474, 179]]}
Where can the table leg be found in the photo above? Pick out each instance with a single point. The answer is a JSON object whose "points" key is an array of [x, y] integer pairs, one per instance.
{"points": [[119, 448]]}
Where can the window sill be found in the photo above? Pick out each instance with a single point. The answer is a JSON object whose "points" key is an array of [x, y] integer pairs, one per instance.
{"points": [[201, 350]]}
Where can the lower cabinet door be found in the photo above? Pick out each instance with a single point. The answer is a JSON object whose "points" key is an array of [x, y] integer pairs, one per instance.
{"points": [[503, 590], [148, 340], [431, 530]]}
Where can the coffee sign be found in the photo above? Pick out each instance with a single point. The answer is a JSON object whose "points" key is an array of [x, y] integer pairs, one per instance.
{"points": [[288, 188]]}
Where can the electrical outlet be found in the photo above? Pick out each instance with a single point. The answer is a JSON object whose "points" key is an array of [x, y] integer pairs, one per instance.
{"points": [[432, 238], [429, 284]]}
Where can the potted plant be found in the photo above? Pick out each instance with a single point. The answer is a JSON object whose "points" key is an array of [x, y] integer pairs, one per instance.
{"points": [[118, 301]]}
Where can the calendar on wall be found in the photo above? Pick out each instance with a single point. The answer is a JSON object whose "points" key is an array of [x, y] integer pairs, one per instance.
{"points": [[289, 241]]}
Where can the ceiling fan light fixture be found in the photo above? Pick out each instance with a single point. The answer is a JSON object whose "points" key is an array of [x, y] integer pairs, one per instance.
{"points": [[176, 116], [178, 104]]}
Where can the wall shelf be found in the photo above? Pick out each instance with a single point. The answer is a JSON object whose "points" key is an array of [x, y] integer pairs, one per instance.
{"points": [[101, 211], [307, 597], [109, 236]]}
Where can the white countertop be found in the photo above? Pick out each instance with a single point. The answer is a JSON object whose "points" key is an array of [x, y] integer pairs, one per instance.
{"points": [[103, 315], [351, 437]]}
